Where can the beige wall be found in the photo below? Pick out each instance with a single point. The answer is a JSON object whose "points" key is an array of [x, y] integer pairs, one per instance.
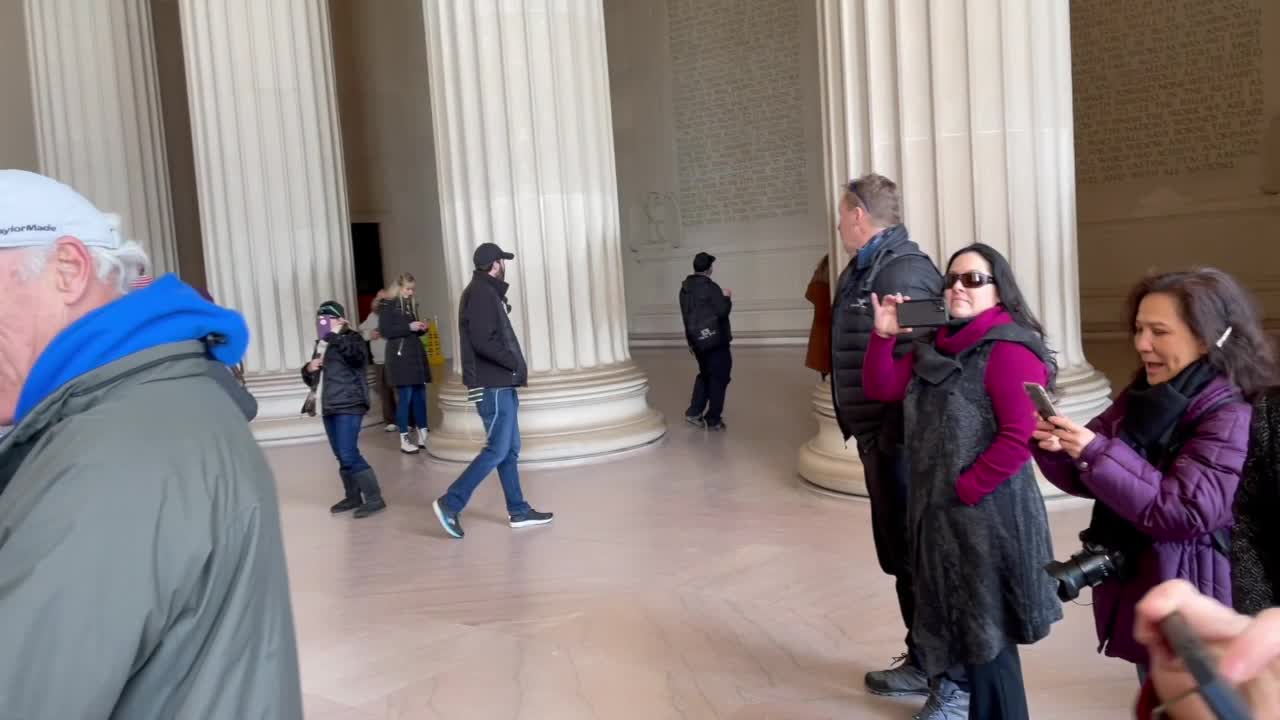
{"points": [[1170, 137], [752, 67], [385, 110], [17, 120]]}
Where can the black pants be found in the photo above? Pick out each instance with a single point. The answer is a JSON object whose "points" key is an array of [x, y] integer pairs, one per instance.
{"points": [[995, 688], [709, 388], [886, 476]]}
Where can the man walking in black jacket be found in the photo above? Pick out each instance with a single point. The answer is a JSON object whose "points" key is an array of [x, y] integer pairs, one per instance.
{"points": [[492, 368], [885, 261], [705, 309]]}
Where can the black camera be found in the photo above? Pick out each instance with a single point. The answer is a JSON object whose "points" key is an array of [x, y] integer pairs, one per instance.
{"points": [[1087, 568]]}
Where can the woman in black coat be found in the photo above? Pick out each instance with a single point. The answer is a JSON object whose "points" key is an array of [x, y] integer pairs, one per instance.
{"points": [[1255, 541], [337, 373], [406, 363]]}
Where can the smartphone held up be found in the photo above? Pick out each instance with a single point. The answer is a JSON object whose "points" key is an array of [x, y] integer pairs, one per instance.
{"points": [[925, 312]]}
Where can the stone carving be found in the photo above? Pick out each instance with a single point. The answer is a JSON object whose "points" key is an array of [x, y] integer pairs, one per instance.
{"points": [[1165, 88], [738, 104], [1271, 159]]}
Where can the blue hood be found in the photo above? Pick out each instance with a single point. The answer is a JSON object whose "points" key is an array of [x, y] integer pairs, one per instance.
{"points": [[168, 311]]}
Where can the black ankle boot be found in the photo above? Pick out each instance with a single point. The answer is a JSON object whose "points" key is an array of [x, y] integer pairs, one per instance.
{"points": [[367, 482], [352, 500]]}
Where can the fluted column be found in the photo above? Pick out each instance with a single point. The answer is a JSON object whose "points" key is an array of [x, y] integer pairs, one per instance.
{"points": [[967, 104], [97, 112], [273, 197], [524, 147]]}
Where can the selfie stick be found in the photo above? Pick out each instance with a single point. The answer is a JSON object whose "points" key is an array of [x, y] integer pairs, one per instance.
{"points": [[1221, 698]]}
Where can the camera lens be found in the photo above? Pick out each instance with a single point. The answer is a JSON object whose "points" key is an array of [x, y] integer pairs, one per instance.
{"points": [[1084, 569], [1069, 578]]}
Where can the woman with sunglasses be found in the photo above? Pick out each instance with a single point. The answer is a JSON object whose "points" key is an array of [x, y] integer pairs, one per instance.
{"points": [[1165, 460], [980, 533]]}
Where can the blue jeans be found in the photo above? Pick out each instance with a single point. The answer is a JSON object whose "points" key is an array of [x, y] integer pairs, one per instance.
{"points": [[344, 438], [411, 400], [498, 408]]}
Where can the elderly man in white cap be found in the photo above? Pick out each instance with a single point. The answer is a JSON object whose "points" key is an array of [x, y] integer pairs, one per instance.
{"points": [[141, 565]]}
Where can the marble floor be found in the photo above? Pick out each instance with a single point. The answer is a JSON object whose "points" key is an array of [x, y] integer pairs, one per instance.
{"points": [[697, 578]]}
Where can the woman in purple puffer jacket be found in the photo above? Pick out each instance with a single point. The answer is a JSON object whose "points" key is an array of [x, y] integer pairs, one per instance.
{"points": [[1163, 462]]}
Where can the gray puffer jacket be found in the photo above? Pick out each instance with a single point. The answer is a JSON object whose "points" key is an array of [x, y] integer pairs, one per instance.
{"points": [[142, 570]]}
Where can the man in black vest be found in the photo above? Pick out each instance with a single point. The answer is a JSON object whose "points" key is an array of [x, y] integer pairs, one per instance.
{"points": [[705, 309], [885, 261]]}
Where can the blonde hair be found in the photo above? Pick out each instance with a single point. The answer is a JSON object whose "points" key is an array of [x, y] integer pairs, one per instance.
{"points": [[396, 289]]}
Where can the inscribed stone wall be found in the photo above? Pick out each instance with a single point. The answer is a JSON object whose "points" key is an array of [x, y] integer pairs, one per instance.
{"points": [[738, 106], [1166, 87]]}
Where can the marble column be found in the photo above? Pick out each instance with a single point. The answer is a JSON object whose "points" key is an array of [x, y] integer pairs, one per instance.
{"points": [[97, 113], [272, 190], [524, 147], [967, 104]]}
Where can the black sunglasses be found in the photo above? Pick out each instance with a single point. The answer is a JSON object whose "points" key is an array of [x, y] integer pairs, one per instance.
{"points": [[971, 280]]}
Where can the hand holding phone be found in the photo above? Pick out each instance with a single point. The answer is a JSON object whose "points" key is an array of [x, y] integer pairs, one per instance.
{"points": [[886, 314], [1040, 398]]}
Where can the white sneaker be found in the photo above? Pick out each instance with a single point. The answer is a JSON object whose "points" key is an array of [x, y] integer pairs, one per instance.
{"points": [[406, 445], [391, 427], [422, 437]]}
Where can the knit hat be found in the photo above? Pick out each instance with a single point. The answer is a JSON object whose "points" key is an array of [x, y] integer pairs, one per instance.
{"points": [[37, 210], [331, 308]]}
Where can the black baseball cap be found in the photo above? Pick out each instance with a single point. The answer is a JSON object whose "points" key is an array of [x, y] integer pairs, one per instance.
{"points": [[488, 254], [702, 262]]}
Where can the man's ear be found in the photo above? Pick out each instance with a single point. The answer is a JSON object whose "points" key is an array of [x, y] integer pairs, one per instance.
{"points": [[73, 269]]}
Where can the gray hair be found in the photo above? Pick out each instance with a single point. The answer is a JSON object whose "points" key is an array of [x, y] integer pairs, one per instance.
{"points": [[117, 268]]}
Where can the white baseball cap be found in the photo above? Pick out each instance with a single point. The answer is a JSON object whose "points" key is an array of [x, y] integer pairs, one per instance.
{"points": [[37, 210]]}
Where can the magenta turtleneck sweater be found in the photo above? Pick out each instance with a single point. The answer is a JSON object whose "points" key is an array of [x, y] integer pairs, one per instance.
{"points": [[885, 379]]}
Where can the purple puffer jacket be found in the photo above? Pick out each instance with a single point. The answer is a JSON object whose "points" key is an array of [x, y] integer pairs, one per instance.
{"points": [[1178, 510]]}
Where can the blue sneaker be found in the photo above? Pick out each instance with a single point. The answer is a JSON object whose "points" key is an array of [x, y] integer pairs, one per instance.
{"points": [[448, 520]]}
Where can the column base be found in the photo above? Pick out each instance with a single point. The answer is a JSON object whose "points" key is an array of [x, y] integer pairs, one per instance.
{"points": [[280, 420], [824, 461], [564, 416], [1083, 393]]}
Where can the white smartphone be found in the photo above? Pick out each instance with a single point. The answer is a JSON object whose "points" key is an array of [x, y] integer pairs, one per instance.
{"points": [[1040, 398]]}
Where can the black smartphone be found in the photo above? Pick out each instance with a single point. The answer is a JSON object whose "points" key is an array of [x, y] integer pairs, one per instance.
{"points": [[1040, 398], [926, 312], [1222, 699]]}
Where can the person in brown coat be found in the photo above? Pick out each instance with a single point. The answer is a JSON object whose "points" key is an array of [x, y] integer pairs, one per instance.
{"points": [[819, 293]]}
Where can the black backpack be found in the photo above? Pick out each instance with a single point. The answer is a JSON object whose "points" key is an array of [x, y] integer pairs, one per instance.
{"points": [[701, 324]]}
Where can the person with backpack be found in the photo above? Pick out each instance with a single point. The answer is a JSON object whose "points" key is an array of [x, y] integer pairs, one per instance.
{"points": [[1163, 463], [705, 309], [884, 260]]}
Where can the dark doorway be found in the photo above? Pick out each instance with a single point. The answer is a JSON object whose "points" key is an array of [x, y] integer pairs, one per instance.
{"points": [[366, 252]]}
